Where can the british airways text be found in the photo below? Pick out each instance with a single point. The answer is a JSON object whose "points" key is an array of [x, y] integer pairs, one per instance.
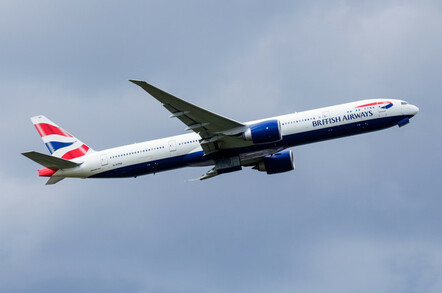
{"points": [[333, 120]]}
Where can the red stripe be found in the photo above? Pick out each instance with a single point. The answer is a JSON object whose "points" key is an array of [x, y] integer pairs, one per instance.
{"points": [[373, 104], [81, 151], [48, 129]]}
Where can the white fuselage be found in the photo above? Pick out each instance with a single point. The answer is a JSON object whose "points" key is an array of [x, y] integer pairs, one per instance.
{"points": [[297, 128]]}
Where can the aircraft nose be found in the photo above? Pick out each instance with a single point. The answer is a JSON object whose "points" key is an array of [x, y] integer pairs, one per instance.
{"points": [[414, 110]]}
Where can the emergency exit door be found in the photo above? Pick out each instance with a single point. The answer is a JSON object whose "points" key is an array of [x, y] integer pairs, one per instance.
{"points": [[172, 146], [103, 160]]}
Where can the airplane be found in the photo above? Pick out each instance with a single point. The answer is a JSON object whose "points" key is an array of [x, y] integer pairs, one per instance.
{"points": [[218, 141]]}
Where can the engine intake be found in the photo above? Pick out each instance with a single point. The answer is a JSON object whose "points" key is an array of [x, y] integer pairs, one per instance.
{"points": [[264, 132], [277, 163]]}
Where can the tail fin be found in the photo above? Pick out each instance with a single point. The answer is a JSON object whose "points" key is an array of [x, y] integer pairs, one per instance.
{"points": [[60, 143]]}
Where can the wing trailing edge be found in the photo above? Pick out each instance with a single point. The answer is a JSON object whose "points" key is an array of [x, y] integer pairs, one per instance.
{"points": [[215, 130]]}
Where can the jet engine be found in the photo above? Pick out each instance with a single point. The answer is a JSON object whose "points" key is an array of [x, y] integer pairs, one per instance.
{"points": [[277, 163], [264, 132]]}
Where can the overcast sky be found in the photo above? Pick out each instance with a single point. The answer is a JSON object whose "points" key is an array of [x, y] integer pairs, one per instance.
{"points": [[358, 214]]}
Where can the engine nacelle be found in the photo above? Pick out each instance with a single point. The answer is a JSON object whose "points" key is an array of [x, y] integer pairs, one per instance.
{"points": [[264, 132], [277, 163]]}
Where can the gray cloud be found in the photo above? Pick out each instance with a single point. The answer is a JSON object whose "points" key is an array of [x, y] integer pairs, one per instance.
{"points": [[357, 214]]}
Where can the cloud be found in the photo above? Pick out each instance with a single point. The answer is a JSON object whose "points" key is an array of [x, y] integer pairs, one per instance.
{"points": [[371, 264], [359, 213]]}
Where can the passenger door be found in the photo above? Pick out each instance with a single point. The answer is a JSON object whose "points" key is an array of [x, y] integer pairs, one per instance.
{"points": [[172, 146], [103, 160]]}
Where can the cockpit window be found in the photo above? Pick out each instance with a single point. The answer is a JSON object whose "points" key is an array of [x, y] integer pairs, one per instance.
{"points": [[404, 103]]}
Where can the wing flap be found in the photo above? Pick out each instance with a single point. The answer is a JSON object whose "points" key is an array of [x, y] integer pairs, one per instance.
{"points": [[211, 173]]}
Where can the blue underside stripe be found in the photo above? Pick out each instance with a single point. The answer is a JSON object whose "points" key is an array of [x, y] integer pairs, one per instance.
{"points": [[287, 141]]}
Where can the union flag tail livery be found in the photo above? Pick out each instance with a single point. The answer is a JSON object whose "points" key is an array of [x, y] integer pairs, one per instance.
{"points": [[60, 143], [215, 140], [63, 146]]}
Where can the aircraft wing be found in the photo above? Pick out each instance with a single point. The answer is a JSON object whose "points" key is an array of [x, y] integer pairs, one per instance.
{"points": [[212, 127]]}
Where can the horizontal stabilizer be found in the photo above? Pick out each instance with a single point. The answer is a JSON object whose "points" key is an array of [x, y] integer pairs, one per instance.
{"points": [[50, 162], [54, 180]]}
